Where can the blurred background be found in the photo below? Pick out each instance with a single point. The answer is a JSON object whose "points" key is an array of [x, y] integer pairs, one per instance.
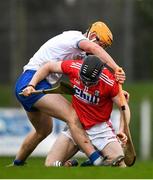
{"points": [[26, 24]]}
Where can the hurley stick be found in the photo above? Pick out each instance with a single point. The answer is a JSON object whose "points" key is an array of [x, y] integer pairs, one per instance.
{"points": [[129, 150]]}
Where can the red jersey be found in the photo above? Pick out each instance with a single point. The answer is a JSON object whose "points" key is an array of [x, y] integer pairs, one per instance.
{"points": [[92, 104]]}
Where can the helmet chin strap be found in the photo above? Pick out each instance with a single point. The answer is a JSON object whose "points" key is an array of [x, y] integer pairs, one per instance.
{"points": [[94, 39], [88, 36]]}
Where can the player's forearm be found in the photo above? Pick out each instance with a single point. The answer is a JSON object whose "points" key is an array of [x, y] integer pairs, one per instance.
{"points": [[121, 126], [107, 59], [41, 74], [127, 114], [45, 70], [93, 48], [104, 56]]}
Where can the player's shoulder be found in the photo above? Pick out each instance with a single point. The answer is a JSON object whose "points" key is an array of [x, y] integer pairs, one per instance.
{"points": [[71, 67], [72, 32], [76, 64], [73, 63], [66, 35], [107, 77], [70, 38], [108, 73]]}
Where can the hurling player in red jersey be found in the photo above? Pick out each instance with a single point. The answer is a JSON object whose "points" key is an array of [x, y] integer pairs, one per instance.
{"points": [[95, 92]]}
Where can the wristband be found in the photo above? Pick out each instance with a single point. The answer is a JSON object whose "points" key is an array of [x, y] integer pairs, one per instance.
{"points": [[31, 85]]}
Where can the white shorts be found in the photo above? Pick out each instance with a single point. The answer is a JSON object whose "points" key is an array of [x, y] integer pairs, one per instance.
{"points": [[100, 134]]}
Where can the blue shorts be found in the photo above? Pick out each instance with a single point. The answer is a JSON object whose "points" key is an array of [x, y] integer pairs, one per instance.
{"points": [[22, 82]]}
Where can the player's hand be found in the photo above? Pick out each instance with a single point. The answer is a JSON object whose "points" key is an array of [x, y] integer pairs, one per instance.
{"points": [[120, 75], [122, 137], [127, 95], [28, 90]]}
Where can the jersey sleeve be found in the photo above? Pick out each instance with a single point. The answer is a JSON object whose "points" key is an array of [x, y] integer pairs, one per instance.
{"points": [[77, 39], [78, 43], [115, 89], [66, 66], [112, 85]]}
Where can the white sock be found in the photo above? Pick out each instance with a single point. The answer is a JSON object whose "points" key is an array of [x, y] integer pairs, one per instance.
{"points": [[57, 163], [98, 161]]}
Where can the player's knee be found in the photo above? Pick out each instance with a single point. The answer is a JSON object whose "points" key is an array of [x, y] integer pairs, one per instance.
{"points": [[117, 160], [49, 159], [122, 164], [114, 156], [48, 163]]}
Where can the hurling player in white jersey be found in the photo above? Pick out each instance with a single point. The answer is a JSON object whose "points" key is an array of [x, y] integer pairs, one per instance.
{"points": [[40, 108], [95, 92]]}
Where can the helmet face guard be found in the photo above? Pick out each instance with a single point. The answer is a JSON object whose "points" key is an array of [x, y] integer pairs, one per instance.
{"points": [[91, 70], [87, 82]]}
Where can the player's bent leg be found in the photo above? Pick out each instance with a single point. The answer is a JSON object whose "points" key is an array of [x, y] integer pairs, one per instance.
{"points": [[57, 106], [114, 153], [61, 151], [43, 127], [81, 138]]}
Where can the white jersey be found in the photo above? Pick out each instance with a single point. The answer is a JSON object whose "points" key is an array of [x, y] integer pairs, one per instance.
{"points": [[60, 47]]}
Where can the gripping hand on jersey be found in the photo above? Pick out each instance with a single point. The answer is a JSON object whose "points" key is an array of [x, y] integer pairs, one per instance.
{"points": [[120, 75]]}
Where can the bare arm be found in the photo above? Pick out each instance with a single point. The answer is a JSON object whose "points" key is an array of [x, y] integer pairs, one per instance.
{"points": [[42, 73], [121, 133], [93, 48], [97, 50], [116, 100], [45, 70]]}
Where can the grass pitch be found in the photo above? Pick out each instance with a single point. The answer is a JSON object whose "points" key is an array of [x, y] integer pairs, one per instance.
{"points": [[35, 169]]}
